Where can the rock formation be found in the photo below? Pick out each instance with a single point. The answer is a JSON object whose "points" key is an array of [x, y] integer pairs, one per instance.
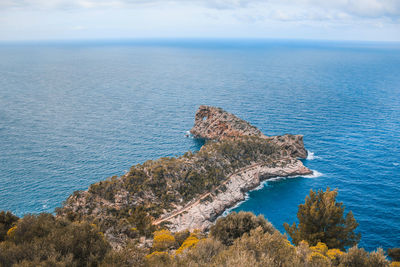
{"points": [[216, 123]]}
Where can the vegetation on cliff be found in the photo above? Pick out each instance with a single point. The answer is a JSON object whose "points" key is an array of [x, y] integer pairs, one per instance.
{"points": [[149, 190]]}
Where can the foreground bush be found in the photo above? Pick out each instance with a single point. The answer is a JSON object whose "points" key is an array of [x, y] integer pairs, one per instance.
{"points": [[394, 254], [234, 225], [357, 257], [202, 254], [129, 256], [7, 220], [46, 240], [239, 239], [259, 248]]}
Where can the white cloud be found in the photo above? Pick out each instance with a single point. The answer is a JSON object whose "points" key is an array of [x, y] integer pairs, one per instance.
{"points": [[356, 8], [208, 18]]}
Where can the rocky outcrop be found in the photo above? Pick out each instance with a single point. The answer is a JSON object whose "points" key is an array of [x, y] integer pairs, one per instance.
{"points": [[289, 145], [216, 123]]}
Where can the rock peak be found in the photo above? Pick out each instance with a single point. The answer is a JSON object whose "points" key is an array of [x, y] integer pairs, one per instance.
{"points": [[216, 123]]}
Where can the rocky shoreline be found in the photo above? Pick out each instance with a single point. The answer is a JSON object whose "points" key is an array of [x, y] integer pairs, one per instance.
{"points": [[203, 212]]}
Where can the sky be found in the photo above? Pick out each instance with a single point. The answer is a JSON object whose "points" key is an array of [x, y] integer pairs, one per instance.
{"points": [[365, 20]]}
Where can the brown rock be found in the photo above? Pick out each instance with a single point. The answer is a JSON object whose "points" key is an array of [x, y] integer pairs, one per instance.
{"points": [[216, 123]]}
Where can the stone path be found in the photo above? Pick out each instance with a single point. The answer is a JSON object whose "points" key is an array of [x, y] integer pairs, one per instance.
{"points": [[203, 196]]}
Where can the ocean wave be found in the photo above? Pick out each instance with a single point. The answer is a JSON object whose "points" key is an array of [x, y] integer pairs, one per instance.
{"points": [[311, 156], [396, 164], [315, 174]]}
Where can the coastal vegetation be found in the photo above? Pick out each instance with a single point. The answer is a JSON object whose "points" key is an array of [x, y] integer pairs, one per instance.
{"points": [[239, 239], [156, 187], [44, 240]]}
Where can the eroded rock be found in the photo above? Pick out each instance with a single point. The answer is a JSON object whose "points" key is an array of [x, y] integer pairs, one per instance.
{"points": [[216, 123]]}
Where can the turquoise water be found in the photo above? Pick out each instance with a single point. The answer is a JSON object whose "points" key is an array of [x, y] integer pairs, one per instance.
{"points": [[73, 114]]}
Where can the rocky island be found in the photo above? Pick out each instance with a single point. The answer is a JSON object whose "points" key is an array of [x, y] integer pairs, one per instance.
{"points": [[190, 191]]}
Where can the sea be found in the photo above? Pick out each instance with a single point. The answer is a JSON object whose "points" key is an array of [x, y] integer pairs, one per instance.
{"points": [[74, 113]]}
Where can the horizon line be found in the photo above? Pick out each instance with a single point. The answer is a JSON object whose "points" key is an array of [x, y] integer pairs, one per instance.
{"points": [[171, 39]]}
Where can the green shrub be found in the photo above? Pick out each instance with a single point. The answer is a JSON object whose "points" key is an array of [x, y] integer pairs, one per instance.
{"points": [[45, 240], [233, 226], [259, 248], [181, 236], [202, 254], [7, 220], [356, 257], [130, 255], [394, 254]]}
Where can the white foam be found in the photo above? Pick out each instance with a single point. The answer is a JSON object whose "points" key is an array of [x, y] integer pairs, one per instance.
{"points": [[261, 186], [188, 134], [311, 156], [396, 164], [227, 211], [315, 174]]}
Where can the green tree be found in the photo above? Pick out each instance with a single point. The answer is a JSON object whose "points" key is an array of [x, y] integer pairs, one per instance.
{"points": [[394, 254], [321, 219]]}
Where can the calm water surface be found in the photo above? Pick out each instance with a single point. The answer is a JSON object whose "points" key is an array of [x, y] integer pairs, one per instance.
{"points": [[73, 114]]}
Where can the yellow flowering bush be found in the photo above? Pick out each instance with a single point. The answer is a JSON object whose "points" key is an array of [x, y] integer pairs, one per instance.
{"points": [[191, 241], [334, 253], [320, 248], [11, 231], [163, 240]]}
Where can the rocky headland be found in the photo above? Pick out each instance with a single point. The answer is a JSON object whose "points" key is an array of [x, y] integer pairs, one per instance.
{"points": [[216, 124], [190, 191]]}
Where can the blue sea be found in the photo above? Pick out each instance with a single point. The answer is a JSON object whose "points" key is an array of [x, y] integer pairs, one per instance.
{"points": [[75, 113]]}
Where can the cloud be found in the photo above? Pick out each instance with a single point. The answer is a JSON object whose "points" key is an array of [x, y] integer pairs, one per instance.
{"points": [[369, 19], [357, 8]]}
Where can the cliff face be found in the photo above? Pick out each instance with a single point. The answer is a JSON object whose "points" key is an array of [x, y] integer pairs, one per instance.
{"points": [[190, 191], [215, 123]]}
